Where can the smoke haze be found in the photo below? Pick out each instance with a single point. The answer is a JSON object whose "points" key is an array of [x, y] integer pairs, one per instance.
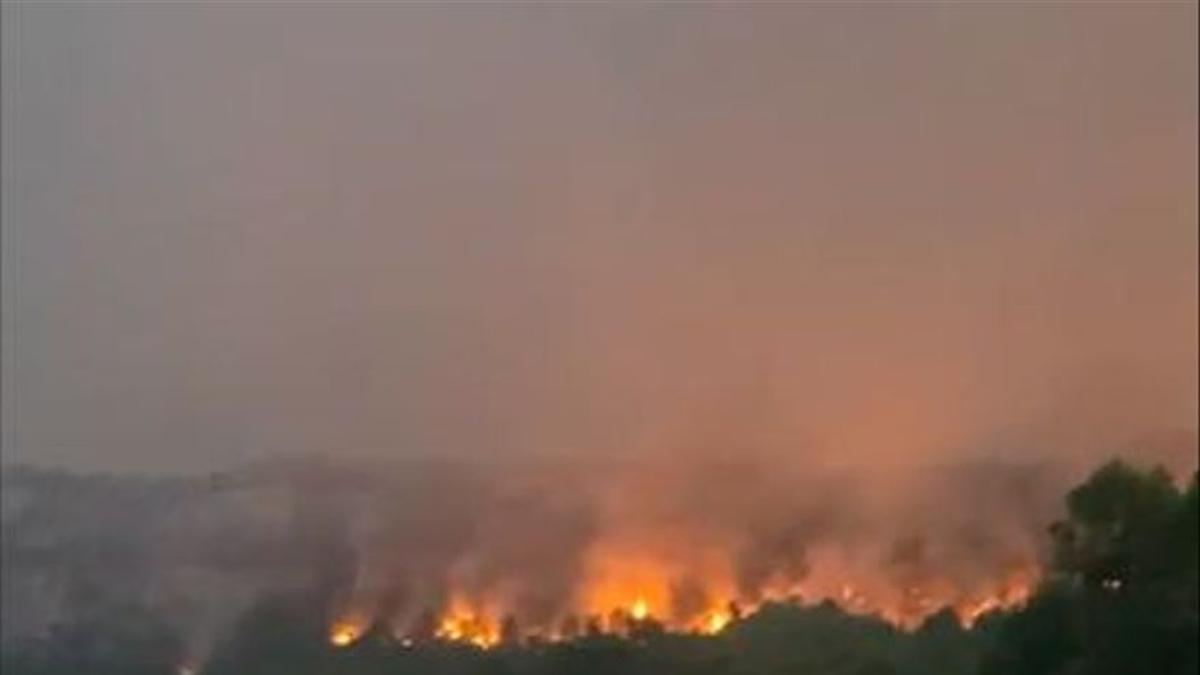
{"points": [[486, 298]]}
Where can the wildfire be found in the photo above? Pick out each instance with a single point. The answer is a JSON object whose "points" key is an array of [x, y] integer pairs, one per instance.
{"points": [[622, 596], [475, 630], [715, 622], [346, 632], [463, 622], [640, 609], [1013, 591]]}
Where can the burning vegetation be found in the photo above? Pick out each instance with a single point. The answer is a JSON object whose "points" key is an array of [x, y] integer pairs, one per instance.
{"points": [[1125, 557], [624, 606], [435, 552]]}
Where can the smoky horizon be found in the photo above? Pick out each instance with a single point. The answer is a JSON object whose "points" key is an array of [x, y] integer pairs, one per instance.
{"points": [[558, 310], [233, 232]]}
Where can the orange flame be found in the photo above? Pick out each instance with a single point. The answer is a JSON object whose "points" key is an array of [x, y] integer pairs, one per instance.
{"points": [[345, 632], [465, 622], [640, 609], [624, 589], [715, 622]]}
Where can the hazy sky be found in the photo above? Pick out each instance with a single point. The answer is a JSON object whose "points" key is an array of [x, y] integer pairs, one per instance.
{"points": [[833, 232]]}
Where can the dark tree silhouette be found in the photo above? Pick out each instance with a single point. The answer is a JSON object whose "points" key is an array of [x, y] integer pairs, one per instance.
{"points": [[1124, 595]]}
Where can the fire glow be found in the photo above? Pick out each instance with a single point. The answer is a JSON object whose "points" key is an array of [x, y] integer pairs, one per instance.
{"points": [[463, 623], [609, 608], [628, 555], [347, 630]]}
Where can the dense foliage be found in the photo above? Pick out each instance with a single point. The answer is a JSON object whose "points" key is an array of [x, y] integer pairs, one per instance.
{"points": [[1122, 598]]}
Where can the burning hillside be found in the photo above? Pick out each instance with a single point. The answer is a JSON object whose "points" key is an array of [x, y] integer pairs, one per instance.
{"points": [[481, 554], [619, 593], [485, 624], [690, 552], [425, 554]]}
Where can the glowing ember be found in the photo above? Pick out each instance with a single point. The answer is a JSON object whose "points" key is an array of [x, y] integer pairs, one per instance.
{"points": [[345, 633], [470, 628], [715, 622], [615, 596], [640, 609]]}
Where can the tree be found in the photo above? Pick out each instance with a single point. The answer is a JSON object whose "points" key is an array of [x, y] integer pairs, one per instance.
{"points": [[1123, 593]]}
